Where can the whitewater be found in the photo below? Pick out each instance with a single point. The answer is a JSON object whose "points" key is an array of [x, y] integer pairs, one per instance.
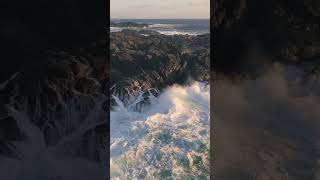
{"points": [[168, 140]]}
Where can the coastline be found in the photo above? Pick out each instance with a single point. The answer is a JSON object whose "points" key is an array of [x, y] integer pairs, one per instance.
{"points": [[156, 61], [159, 104]]}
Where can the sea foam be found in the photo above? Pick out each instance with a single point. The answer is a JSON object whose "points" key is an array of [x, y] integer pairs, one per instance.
{"points": [[168, 140]]}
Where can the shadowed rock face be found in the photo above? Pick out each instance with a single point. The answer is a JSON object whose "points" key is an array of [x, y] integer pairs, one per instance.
{"points": [[266, 62], [64, 93], [286, 31], [156, 61], [54, 81]]}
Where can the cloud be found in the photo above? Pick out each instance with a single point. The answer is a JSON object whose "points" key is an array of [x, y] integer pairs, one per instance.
{"points": [[142, 6], [203, 3], [160, 9]]}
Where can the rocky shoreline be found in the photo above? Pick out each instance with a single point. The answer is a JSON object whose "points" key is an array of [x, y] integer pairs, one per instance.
{"points": [[128, 24], [140, 62], [64, 96]]}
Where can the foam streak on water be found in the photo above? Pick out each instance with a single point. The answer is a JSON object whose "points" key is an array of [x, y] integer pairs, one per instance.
{"points": [[169, 140]]}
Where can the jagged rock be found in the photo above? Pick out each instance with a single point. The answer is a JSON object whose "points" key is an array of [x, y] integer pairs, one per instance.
{"points": [[140, 63], [148, 32], [64, 94], [157, 61], [128, 24]]}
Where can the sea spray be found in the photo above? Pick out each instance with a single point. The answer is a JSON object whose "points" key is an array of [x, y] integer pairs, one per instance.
{"points": [[168, 140]]}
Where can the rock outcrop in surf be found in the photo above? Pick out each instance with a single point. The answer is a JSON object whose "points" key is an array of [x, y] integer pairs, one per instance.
{"points": [[140, 62]]}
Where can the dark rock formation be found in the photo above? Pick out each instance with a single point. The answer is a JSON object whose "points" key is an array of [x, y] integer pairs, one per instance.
{"points": [[54, 82], [282, 30], [64, 94], [269, 139], [156, 61], [128, 24], [148, 32]]}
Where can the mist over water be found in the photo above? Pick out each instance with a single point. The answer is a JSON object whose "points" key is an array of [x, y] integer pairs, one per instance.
{"points": [[170, 139]]}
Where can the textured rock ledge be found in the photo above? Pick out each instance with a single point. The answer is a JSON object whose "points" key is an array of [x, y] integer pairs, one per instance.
{"points": [[140, 62]]}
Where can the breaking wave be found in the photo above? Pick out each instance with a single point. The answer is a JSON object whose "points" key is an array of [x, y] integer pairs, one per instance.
{"points": [[115, 29], [170, 33], [164, 25], [170, 139]]}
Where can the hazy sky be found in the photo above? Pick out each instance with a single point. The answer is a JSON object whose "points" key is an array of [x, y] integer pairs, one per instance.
{"points": [[165, 9]]}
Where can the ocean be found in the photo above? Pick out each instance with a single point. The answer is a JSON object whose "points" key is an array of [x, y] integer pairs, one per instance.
{"points": [[171, 139], [169, 26]]}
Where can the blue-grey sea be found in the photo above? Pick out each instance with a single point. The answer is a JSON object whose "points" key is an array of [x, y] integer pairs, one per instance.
{"points": [[170, 26]]}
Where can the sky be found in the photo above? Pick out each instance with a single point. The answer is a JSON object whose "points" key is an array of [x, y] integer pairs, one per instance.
{"points": [[160, 9]]}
